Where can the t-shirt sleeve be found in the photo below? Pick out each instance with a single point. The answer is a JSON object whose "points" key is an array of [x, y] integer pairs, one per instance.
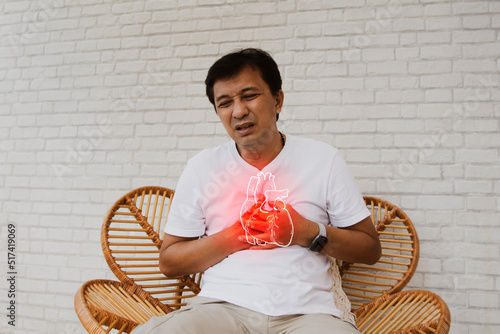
{"points": [[186, 218], [345, 204]]}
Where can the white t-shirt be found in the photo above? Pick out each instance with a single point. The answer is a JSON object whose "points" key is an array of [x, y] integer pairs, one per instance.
{"points": [[280, 281]]}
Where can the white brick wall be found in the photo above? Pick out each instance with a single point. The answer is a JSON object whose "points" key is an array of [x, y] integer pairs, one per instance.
{"points": [[99, 96]]}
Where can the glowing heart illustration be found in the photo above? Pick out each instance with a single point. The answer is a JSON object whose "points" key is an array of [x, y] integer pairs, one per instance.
{"points": [[264, 203]]}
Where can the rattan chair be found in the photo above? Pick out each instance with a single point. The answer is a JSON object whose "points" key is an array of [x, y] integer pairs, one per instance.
{"points": [[131, 239], [400, 253]]}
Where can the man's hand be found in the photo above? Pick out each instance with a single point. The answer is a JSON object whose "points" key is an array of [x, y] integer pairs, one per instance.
{"points": [[358, 243], [263, 207], [282, 227], [271, 226]]}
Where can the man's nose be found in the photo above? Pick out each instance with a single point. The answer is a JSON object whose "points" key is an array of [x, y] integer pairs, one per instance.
{"points": [[239, 108]]}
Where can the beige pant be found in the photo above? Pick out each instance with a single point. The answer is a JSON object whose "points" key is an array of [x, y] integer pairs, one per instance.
{"points": [[207, 315]]}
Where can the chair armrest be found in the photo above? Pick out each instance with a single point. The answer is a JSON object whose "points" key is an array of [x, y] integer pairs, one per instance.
{"points": [[412, 311]]}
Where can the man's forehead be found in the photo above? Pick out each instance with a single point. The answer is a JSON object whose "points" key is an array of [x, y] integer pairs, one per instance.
{"points": [[247, 79]]}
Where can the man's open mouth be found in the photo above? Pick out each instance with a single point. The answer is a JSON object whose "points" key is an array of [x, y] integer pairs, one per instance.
{"points": [[244, 126]]}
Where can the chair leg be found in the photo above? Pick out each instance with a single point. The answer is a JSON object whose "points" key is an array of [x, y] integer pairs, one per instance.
{"points": [[412, 311]]}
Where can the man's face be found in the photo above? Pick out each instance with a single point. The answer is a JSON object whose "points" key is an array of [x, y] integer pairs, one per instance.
{"points": [[247, 108]]}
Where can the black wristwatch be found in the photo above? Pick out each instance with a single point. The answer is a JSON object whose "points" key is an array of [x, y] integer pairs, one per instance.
{"points": [[320, 240]]}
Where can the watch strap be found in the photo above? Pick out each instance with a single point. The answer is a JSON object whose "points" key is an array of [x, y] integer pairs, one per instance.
{"points": [[319, 242], [322, 230]]}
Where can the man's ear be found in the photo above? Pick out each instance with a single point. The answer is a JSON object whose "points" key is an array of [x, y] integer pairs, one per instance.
{"points": [[279, 97]]}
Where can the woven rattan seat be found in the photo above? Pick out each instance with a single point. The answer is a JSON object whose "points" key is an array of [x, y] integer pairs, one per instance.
{"points": [[131, 239], [104, 305], [412, 311]]}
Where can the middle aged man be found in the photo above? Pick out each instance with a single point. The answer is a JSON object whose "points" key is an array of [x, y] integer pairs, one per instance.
{"points": [[260, 215]]}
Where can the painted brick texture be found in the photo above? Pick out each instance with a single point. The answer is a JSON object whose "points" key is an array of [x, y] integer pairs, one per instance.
{"points": [[98, 97]]}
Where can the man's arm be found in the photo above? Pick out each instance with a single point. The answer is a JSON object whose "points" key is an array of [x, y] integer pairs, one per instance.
{"points": [[184, 256], [358, 243]]}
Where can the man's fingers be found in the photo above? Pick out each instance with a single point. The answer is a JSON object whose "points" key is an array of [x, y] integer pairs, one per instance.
{"points": [[259, 225], [255, 237], [262, 247]]}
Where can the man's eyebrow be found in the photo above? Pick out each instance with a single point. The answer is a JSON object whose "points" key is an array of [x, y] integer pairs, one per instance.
{"points": [[244, 90]]}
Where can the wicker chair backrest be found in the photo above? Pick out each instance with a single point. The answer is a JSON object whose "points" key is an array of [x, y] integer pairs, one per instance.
{"points": [[400, 253], [131, 238]]}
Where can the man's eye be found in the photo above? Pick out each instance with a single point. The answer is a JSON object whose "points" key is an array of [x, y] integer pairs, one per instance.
{"points": [[249, 97], [224, 104]]}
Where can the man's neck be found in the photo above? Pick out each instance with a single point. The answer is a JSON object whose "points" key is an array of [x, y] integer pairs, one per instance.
{"points": [[260, 156]]}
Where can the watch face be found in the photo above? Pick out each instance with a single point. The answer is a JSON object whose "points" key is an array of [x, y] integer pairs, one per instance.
{"points": [[318, 243]]}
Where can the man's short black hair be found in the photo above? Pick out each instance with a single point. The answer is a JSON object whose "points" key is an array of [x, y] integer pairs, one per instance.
{"points": [[233, 63]]}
